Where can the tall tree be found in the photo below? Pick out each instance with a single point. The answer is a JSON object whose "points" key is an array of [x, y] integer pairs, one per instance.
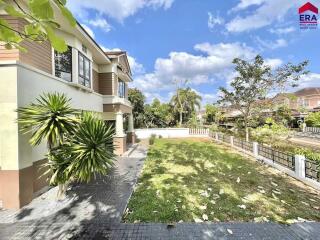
{"points": [[40, 23], [137, 100], [185, 102], [254, 81]]}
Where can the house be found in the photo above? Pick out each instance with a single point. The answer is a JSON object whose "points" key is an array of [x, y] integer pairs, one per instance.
{"points": [[300, 102], [93, 79]]}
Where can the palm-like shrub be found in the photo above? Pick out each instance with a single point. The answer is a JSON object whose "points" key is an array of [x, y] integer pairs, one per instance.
{"points": [[80, 145], [91, 148], [48, 119]]}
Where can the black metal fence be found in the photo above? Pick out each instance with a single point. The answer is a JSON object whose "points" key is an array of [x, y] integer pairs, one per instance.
{"points": [[313, 169], [282, 158], [226, 138], [248, 146]]}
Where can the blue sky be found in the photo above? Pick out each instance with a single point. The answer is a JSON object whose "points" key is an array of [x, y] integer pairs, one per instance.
{"points": [[169, 40]]}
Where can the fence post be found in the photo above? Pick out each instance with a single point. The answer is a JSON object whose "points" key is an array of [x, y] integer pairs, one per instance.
{"points": [[255, 150], [300, 166], [216, 136], [231, 141]]}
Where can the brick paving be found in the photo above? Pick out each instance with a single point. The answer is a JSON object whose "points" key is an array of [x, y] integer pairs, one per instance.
{"points": [[94, 212]]}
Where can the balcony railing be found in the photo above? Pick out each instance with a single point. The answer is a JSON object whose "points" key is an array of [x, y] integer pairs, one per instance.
{"points": [[116, 100]]}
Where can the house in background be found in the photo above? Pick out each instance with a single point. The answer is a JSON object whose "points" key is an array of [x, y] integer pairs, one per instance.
{"points": [[94, 81], [301, 102]]}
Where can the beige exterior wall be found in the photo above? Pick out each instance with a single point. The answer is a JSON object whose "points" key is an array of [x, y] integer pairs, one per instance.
{"points": [[8, 116]]}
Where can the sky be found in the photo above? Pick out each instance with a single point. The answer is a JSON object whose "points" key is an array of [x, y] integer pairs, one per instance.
{"points": [[174, 40]]}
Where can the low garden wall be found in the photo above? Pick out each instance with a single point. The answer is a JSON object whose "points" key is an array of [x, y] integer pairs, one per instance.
{"points": [[163, 132]]}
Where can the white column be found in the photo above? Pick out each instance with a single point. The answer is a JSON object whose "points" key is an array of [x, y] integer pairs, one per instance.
{"points": [[119, 124], [75, 66], [231, 140], [255, 149], [300, 166], [130, 123]]}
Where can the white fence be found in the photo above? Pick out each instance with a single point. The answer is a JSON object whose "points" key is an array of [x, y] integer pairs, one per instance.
{"points": [[296, 166], [313, 130]]}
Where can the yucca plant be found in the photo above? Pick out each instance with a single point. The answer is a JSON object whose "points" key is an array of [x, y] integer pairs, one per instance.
{"points": [[49, 119], [92, 148], [80, 145]]}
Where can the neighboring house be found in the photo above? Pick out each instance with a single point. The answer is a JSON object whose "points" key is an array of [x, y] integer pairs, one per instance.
{"points": [[93, 80], [300, 102]]}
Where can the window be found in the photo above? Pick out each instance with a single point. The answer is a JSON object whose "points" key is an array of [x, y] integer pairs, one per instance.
{"points": [[63, 64], [121, 89], [84, 70]]}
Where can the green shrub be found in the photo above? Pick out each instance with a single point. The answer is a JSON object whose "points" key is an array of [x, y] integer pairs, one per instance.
{"points": [[152, 139]]}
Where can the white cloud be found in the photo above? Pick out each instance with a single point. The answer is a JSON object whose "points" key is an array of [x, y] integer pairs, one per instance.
{"points": [[269, 11], [88, 30], [136, 67], [272, 44], [273, 62], [310, 80], [280, 31], [245, 4], [214, 20], [101, 23], [214, 61], [117, 9]]}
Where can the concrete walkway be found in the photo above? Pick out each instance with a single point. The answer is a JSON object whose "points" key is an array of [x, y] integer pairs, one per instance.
{"points": [[93, 211]]}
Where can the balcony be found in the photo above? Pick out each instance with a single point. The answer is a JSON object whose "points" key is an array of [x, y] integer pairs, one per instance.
{"points": [[116, 100]]}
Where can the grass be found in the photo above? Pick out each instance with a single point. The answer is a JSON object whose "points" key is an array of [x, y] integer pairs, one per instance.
{"points": [[196, 180]]}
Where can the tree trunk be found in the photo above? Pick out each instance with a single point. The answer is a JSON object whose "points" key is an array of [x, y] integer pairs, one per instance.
{"points": [[247, 134], [180, 121], [62, 189]]}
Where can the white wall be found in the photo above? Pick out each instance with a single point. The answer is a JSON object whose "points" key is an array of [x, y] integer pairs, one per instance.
{"points": [[164, 132], [32, 83]]}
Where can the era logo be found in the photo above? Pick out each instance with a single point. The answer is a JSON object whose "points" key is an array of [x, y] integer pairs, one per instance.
{"points": [[308, 16]]}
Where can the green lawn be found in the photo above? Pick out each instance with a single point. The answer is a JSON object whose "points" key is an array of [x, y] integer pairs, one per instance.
{"points": [[196, 180]]}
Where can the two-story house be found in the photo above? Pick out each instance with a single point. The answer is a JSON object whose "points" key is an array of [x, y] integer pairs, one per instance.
{"points": [[300, 102], [93, 79]]}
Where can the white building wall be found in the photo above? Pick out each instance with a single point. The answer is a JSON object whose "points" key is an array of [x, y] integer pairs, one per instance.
{"points": [[20, 85]]}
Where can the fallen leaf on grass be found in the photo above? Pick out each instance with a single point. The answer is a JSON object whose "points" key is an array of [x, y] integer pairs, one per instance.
{"points": [[197, 220], [205, 217], [203, 207], [242, 206], [274, 184], [238, 180], [229, 231], [221, 191]]}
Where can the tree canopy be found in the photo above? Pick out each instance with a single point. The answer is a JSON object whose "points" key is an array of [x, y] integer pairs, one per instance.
{"points": [[254, 82], [39, 25]]}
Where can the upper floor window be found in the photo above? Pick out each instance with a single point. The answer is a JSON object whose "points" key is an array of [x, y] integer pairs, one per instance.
{"points": [[84, 70], [121, 89], [63, 64]]}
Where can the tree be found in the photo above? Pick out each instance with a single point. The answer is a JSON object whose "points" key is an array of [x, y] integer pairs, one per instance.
{"points": [[40, 24], [254, 81], [158, 114], [137, 100], [213, 114], [79, 144], [313, 119], [185, 102], [283, 114]]}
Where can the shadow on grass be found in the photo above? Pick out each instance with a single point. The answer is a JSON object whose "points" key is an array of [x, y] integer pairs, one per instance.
{"points": [[182, 180]]}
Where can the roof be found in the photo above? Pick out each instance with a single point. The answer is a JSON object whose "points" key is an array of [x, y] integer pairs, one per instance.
{"points": [[307, 91], [308, 7], [115, 53]]}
